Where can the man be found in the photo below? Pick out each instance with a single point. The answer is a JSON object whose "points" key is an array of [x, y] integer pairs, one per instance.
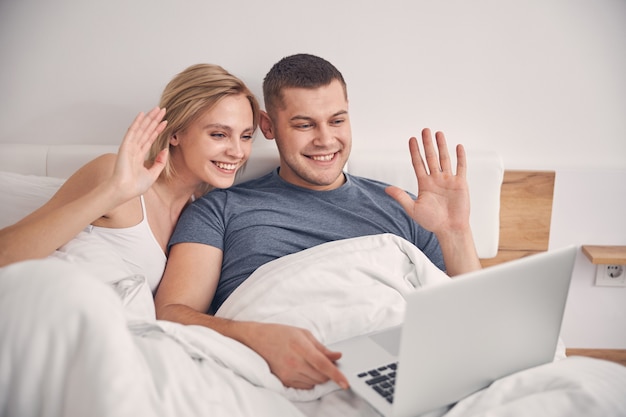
{"points": [[227, 234]]}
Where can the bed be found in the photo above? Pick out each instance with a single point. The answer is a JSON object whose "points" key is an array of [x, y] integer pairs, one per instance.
{"points": [[103, 360]]}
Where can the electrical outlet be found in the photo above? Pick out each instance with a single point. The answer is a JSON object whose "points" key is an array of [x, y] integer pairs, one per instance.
{"points": [[611, 275]]}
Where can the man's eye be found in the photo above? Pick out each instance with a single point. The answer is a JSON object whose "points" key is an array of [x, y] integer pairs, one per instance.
{"points": [[247, 137], [304, 126], [337, 122]]}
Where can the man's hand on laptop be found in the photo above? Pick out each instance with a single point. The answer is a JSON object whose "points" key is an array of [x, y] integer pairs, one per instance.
{"points": [[295, 356]]}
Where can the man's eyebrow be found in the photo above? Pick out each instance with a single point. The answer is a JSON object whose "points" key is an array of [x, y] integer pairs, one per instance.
{"points": [[301, 117]]}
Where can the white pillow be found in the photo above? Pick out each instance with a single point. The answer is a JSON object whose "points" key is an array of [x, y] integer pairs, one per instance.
{"points": [[22, 194]]}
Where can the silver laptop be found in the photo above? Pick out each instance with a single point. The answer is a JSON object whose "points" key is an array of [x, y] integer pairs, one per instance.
{"points": [[459, 337]]}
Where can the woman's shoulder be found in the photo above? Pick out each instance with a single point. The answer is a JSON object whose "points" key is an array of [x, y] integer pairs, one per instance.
{"points": [[101, 165], [93, 172], [85, 179]]}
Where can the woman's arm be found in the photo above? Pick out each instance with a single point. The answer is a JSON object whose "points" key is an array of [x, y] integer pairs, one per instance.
{"points": [[90, 193]]}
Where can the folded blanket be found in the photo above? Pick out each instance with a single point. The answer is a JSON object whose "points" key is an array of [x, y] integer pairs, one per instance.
{"points": [[336, 290]]}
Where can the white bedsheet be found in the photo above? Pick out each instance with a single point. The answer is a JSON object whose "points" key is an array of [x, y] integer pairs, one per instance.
{"points": [[68, 349], [68, 346]]}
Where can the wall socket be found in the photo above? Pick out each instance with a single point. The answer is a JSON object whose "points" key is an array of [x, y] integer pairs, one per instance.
{"points": [[611, 275]]}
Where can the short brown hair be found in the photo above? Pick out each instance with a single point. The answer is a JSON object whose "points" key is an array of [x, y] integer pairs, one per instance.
{"points": [[298, 71]]}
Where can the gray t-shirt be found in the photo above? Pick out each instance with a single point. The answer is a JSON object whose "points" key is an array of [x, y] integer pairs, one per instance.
{"points": [[263, 219]]}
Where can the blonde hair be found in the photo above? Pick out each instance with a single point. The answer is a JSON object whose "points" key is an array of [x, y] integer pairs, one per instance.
{"points": [[188, 95]]}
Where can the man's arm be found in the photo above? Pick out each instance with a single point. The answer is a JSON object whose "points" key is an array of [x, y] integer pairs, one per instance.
{"points": [[186, 292], [442, 205]]}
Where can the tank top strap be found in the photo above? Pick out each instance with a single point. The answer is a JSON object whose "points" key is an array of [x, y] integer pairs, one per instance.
{"points": [[143, 209]]}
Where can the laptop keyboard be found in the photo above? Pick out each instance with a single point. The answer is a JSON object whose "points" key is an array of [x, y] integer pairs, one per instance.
{"points": [[382, 380]]}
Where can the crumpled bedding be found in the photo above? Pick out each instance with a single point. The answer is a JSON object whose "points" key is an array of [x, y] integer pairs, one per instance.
{"points": [[72, 345], [68, 348]]}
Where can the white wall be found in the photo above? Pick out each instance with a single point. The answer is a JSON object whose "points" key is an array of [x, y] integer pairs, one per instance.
{"points": [[541, 82]]}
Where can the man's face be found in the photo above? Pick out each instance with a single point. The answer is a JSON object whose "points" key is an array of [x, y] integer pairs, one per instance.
{"points": [[313, 136]]}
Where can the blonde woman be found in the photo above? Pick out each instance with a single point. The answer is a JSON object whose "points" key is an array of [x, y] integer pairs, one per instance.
{"points": [[72, 343], [118, 211]]}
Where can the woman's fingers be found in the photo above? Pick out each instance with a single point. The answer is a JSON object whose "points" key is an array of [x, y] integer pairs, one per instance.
{"points": [[142, 128], [149, 127]]}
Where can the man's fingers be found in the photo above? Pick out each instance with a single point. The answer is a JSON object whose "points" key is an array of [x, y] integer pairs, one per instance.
{"points": [[305, 377], [401, 197], [416, 158], [461, 161], [430, 154], [324, 364], [312, 376], [444, 156]]}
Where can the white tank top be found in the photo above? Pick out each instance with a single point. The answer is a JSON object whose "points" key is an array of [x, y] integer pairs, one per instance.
{"points": [[115, 253]]}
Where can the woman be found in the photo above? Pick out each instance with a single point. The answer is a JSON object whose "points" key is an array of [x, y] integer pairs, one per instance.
{"points": [[101, 239], [116, 213]]}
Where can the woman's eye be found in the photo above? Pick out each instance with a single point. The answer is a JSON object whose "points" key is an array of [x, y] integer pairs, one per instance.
{"points": [[247, 137], [218, 135]]}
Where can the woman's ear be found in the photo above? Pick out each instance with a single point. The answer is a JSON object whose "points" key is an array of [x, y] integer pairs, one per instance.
{"points": [[174, 140], [266, 125]]}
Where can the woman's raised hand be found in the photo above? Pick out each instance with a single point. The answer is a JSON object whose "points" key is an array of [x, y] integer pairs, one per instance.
{"points": [[130, 172]]}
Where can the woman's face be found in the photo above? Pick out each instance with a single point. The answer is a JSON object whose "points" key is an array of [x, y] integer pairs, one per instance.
{"points": [[216, 144]]}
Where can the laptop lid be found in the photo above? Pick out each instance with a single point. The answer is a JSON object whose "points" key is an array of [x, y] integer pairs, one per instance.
{"points": [[459, 337]]}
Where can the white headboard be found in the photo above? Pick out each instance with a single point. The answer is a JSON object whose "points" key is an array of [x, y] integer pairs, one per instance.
{"points": [[485, 174]]}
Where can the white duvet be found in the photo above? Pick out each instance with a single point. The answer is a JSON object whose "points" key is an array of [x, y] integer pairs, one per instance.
{"points": [[71, 345]]}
